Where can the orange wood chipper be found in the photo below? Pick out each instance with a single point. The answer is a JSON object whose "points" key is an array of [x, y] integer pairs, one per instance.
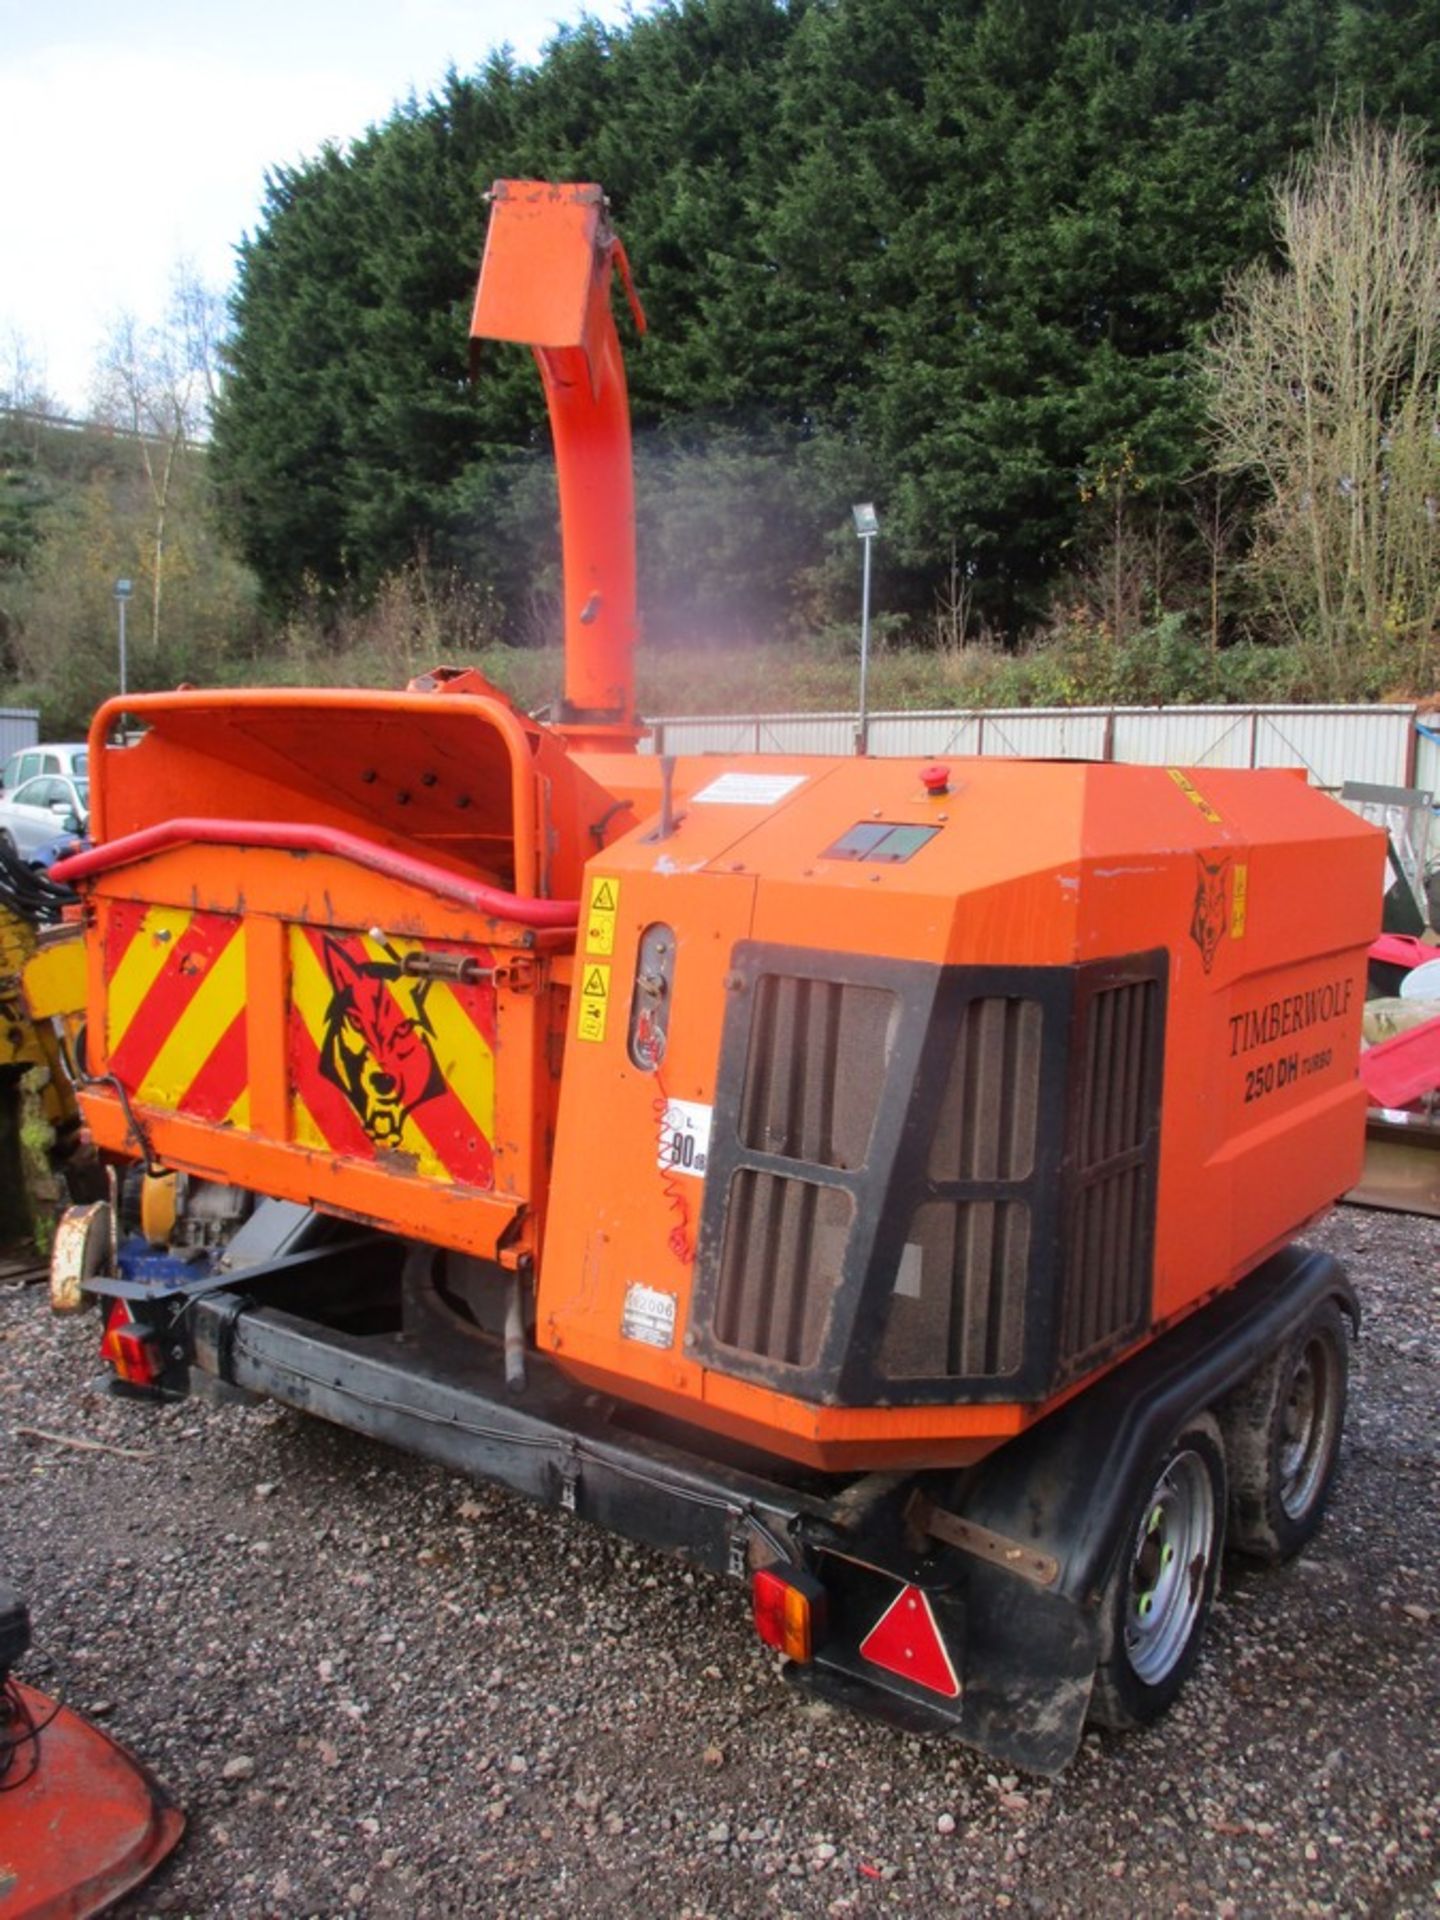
{"points": [[874, 1179]]}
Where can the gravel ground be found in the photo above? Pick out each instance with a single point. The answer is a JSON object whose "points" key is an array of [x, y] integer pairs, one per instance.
{"points": [[376, 1688]]}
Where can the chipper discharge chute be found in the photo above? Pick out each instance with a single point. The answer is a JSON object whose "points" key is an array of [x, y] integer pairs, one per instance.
{"points": [[873, 1178]]}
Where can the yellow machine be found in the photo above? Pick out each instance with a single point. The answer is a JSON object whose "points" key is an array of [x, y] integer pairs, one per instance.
{"points": [[42, 985]]}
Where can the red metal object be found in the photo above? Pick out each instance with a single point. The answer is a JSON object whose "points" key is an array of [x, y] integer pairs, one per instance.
{"points": [[1401, 950], [522, 910], [81, 1821], [1404, 1067]]}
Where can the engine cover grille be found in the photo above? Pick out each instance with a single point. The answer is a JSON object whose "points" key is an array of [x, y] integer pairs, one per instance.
{"points": [[1115, 1127], [960, 1296], [816, 1065], [936, 1183], [782, 1263]]}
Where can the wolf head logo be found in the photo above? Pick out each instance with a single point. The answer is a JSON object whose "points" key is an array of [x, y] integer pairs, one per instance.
{"points": [[1211, 917], [381, 1058]]}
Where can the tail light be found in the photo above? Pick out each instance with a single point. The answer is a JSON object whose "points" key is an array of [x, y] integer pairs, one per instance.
{"points": [[131, 1349], [790, 1611]]}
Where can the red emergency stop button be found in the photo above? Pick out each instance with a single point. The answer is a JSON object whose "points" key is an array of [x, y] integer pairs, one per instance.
{"points": [[935, 779]]}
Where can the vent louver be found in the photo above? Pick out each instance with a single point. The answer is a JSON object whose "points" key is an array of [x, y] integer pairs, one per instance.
{"points": [[959, 1305], [1115, 1120], [816, 1067], [784, 1245], [814, 1075]]}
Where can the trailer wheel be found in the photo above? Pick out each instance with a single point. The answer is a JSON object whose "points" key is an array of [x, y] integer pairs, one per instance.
{"points": [[1157, 1599], [1282, 1432]]}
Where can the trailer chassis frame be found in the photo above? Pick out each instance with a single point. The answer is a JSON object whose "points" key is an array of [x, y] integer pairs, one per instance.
{"points": [[1012, 1554]]}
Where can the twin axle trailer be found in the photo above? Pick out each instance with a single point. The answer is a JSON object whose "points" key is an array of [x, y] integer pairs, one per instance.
{"points": [[875, 1180]]}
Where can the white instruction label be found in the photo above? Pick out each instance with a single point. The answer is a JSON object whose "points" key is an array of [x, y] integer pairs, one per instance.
{"points": [[685, 1138], [747, 789], [649, 1315], [908, 1273]]}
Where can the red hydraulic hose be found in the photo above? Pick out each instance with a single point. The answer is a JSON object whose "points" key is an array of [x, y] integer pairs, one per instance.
{"points": [[523, 910]]}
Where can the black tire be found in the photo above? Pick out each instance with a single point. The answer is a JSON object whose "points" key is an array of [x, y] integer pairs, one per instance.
{"points": [[1282, 1439], [7, 845], [1158, 1596]]}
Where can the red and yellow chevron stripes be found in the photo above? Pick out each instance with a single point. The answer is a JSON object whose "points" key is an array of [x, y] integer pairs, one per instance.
{"points": [[175, 1010], [379, 1063], [382, 1063]]}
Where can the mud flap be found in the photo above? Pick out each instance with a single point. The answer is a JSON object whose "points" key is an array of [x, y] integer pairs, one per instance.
{"points": [[1024, 1660]]}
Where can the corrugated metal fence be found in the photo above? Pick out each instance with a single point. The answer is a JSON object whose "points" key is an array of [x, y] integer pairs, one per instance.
{"points": [[1380, 745], [19, 727]]}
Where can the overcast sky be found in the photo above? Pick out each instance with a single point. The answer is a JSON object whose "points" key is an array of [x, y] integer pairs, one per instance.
{"points": [[136, 133]]}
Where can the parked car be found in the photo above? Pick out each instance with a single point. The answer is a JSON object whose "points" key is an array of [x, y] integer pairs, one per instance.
{"points": [[59, 848], [68, 757], [40, 809]]}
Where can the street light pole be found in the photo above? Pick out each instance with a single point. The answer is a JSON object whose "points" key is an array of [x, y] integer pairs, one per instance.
{"points": [[123, 591], [867, 527]]}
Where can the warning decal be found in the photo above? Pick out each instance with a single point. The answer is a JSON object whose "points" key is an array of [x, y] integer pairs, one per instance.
{"points": [[1193, 794], [747, 789], [600, 920], [594, 1002], [1239, 897]]}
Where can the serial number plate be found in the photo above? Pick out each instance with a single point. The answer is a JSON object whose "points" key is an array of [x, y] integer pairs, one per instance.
{"points": [[649, 1316]]}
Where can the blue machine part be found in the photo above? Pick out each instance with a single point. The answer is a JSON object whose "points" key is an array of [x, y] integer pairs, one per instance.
{"points": [[138, 1261]]}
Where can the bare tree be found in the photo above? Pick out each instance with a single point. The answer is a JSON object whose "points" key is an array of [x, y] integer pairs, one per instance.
{"points": [[23, 393], [1325, 373], [955, 605], [160, 384], [199, 321], [1219, 515]]}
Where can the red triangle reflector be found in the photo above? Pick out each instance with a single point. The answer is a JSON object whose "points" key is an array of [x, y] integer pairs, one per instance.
{"points": [[906, 1640]]}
